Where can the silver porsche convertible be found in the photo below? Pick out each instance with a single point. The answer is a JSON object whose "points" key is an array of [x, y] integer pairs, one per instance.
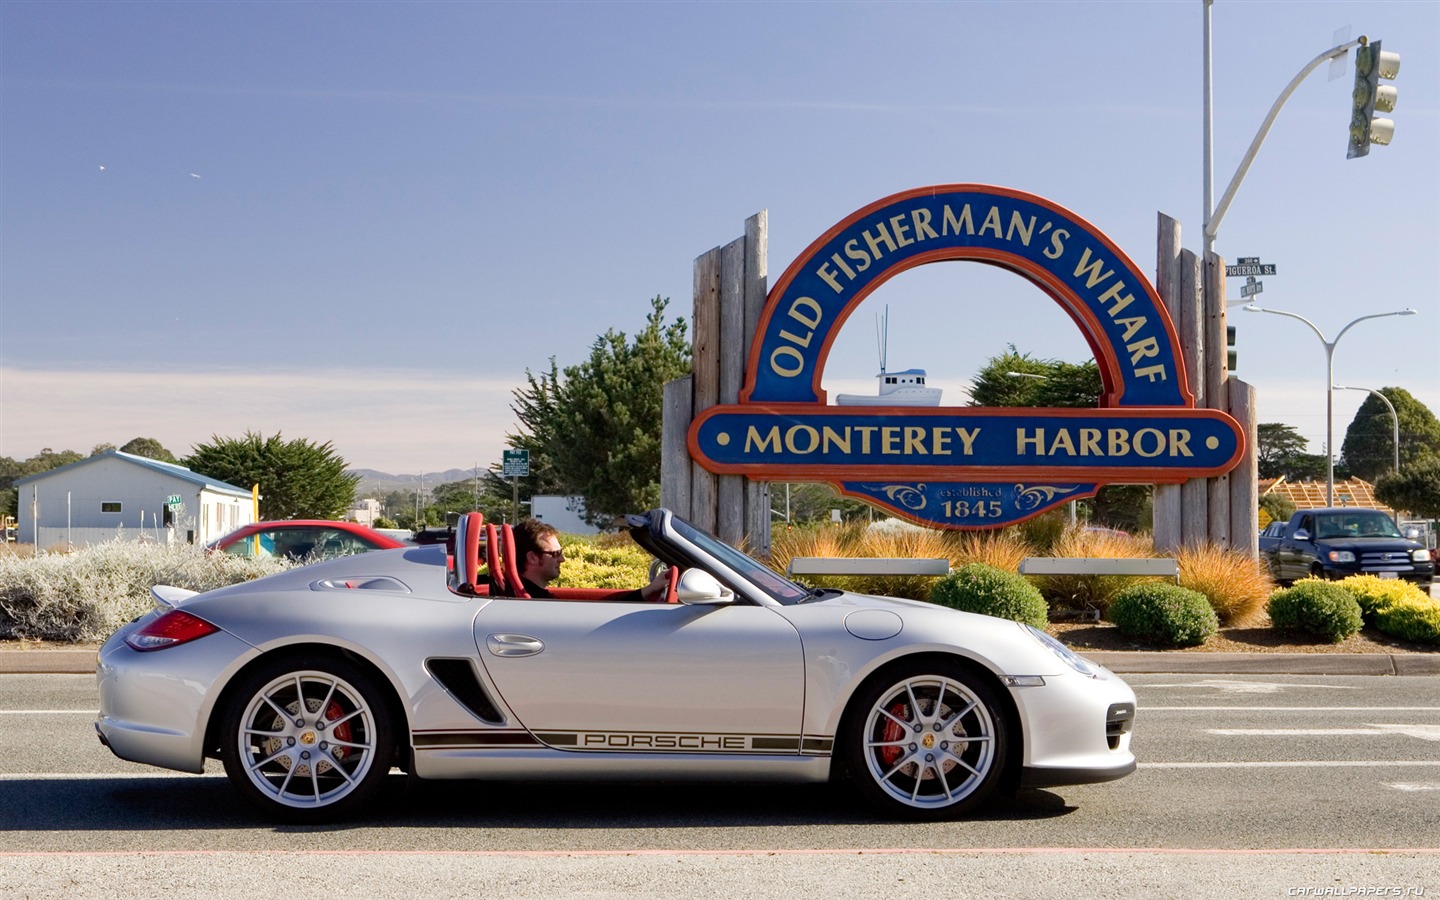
{"points": [[313, 684]]}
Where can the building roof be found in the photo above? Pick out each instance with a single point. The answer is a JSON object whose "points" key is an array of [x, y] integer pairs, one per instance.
{"points": [[164, 468], [1311, 494]]}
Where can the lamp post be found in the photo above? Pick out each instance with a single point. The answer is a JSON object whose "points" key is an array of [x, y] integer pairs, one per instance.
{"points": [[1329, 382], [1394, 417]]}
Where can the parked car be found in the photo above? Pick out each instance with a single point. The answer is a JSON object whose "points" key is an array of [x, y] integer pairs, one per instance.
{"points": [[1337, 542], [312, 683], [304, 539], [1272, 535]]}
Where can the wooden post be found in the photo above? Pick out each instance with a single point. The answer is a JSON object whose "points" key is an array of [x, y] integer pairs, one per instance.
{"points": [[1168, 500], [1215, 388], [705, 366], [1245, 478], [757, 261], [730, 489], [1195, 518], [675, 459]]}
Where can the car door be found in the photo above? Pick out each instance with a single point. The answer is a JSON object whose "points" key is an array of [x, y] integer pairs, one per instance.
{"points": [[646, 676]]}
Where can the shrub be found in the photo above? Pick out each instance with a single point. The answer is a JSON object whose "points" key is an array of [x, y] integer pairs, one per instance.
{"points": [[1164, 614], [1412, 620], [1396, 607], [1092, 592], [599, 562], [1236, 585], [1373, 594], [1321, 608], [990, 591], [86, 595]]}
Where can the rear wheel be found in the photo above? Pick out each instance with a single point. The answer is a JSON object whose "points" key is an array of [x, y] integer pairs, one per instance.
{"points": [[308, 739], [927, 740]]}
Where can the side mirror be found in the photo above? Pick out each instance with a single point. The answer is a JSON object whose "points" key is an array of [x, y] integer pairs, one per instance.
{"points": [[1301, 535], [699, 588]]}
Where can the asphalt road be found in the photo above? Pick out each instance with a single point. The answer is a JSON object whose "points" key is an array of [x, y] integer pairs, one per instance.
{"points": [[1253, 785]]}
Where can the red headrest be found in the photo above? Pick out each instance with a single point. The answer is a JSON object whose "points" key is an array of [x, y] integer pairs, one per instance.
{"points": [[467, 550], [492, 561], [512, 571]]}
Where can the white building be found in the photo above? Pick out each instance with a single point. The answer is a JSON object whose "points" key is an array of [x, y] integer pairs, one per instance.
{"points": [[364, 511], [114, 493]]}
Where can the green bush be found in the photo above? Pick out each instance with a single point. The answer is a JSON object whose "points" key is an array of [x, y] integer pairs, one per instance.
{"points": [[1412, 620], [1374, 593], [1321, 608], [1165, 614], [983, 589]]}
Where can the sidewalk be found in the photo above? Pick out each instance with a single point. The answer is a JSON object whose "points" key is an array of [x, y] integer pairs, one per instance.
{"points": [[81, 661]]}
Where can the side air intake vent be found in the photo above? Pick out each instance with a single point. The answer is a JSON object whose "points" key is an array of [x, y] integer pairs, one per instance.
{"points": [[457, 677]]}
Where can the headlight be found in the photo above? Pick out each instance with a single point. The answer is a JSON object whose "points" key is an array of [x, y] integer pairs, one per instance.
{"points": [[1421, 555], [1068, 656], [1340, 556]]}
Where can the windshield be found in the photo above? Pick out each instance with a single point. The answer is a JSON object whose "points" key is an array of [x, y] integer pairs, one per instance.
{"points": [[1356, 525], [779, 587]]}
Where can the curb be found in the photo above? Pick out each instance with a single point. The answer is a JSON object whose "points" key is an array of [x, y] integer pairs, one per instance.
{"points": [[82, 662]]}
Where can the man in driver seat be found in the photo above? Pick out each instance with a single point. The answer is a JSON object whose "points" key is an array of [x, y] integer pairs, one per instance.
{"points": [[538, 555]]}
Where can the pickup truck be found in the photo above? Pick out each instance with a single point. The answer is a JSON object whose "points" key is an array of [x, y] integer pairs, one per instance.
{"points": [[1341, 541]]}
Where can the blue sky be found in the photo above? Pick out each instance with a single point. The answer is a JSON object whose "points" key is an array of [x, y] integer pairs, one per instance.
{"points": [[362, 222]]}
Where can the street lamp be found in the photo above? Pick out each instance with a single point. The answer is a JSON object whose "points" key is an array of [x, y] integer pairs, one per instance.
{"points": [[1394, 418], [1329, 382]]}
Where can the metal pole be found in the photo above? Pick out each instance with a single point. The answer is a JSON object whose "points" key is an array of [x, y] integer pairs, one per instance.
{"points": [[1329, 381], [1212, 219], [1394, 418], [1209, 173]]}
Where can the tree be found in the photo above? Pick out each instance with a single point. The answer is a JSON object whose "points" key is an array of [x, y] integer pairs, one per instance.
{"points": [[298, 479], [594, 430], [1415, 490], [1055, 383], [1019, 379], [1280, 451], [12, 471], [1369, 446], [148, 448], [1280, 508]]}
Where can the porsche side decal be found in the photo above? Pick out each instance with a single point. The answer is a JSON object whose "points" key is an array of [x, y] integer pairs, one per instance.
{"points": [[814, 745]]}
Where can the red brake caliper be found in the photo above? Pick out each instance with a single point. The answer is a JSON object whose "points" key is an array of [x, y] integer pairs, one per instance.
{"points": [[341, 732], [892, 733]]}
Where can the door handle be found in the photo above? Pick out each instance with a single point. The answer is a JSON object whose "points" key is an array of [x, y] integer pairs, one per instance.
{"points": [[513, 644]]}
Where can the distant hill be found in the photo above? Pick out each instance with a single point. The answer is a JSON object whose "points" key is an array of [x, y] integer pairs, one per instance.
{"points": [[376, 484]]}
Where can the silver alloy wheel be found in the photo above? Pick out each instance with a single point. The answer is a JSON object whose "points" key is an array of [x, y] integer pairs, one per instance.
{"points": [[929, 742], [307, 739]]}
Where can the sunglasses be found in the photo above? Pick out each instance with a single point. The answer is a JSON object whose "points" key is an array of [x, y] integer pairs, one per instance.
{"points": [[553, 554]]}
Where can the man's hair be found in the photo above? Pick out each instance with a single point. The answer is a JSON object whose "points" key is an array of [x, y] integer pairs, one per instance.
{"points": [[527, 538]]}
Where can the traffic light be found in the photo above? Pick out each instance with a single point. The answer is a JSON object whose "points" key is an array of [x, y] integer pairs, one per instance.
{"points": [[1371, 65], [1229, 348]]}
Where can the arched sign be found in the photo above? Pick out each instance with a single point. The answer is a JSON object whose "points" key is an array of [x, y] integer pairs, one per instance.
{"points": [[967, 467]]}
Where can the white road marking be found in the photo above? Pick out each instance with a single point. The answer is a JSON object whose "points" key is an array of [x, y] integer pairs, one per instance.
{"points": [[49, 712], [1296, 764], [1423, 732], [1231, 686], [1416, 786], [1365, 709]]}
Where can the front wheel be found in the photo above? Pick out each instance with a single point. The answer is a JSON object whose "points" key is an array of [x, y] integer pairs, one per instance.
{"points": [[926, 740], [307, 740]]}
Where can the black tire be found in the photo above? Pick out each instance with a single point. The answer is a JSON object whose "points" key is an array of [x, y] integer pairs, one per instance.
{"points": [[315, 766], [1317, 572], [937, 764]]}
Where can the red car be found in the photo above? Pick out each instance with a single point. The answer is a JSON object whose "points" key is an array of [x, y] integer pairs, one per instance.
{"points": [[304, 539]]}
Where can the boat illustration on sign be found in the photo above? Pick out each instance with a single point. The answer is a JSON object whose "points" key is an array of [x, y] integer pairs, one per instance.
{"points": [[905, 388]]}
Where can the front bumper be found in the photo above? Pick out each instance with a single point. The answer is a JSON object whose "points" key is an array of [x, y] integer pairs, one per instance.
{"points": [[1077, 729]]}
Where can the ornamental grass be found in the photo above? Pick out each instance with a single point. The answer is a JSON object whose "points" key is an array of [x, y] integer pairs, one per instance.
{"points": [[1092, 592], [1236, 585]]}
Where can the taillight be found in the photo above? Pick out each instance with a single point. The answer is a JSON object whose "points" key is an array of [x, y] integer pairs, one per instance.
{"points": [[170, 630]]}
